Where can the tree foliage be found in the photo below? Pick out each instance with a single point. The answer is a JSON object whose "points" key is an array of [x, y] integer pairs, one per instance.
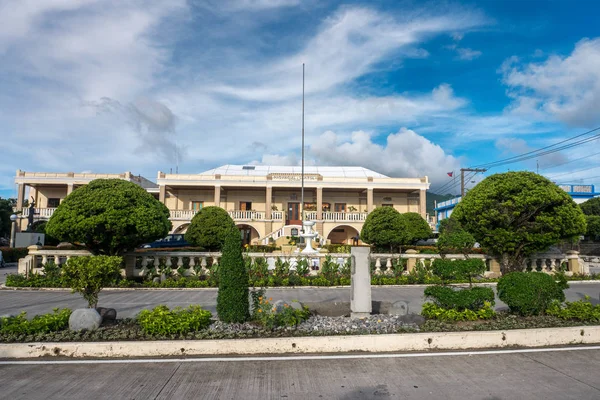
{"points": [[453, 238], [6, 210], [384, 228], [232, 300], [109, 216], [591, 206], [209, 228], [417, 227], [87, 275], [515, 214], [593, 226]]}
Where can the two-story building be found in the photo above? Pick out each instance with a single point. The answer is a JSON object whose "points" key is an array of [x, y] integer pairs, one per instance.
{"points": [[264, 201]]}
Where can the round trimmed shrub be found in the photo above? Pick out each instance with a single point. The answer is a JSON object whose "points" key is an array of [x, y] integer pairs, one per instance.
{"points": [[529, 293], [465, 299], [209, 228], [232, 300]]}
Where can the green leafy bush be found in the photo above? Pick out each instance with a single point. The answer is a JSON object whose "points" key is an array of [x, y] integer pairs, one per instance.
{"points": [[13, 254], [337, 248], [330, 269], [530, 293], [268, 315], [162, 321], [210, 228], [465, 299], [89, 274], [433, 311], [458, 269], [260, 248], [303, 267], [232, 299], [581, 310], [52, 322], [110, 216]]}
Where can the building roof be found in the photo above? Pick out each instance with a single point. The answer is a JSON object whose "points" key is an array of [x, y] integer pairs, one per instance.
{"points": [[264, 170]]}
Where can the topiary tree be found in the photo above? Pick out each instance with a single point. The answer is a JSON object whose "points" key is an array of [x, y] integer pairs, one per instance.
{"points": [[232, 299], [593, 226], [416, 226], [454, 238], [530, 293], [87, 275], [109, 216], [209, 228], [591, 206], [385, 228], [515, 214]]}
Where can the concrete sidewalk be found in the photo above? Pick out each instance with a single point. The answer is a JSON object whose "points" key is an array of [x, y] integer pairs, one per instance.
{"points": [[505, 375]]}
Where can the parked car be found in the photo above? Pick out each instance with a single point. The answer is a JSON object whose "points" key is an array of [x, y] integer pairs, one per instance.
{"points": [[173, 240], [2, 264]]}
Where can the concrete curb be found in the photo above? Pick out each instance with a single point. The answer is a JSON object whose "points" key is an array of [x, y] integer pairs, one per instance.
{"points": [[385, 343]]}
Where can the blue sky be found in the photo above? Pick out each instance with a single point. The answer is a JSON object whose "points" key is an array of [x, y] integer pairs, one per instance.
{"points": [[406, 88]]}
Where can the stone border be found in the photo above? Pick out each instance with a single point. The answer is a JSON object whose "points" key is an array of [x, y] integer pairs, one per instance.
{"points": [[384, 343]]}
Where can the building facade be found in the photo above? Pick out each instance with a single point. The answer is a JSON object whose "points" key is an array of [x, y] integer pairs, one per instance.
{"points": [[265, 202]]}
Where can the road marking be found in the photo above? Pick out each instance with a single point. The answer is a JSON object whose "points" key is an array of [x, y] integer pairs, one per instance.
{"points": [[297, 358]]}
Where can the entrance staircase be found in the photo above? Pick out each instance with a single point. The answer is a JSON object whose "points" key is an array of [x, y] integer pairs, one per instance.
{"points": [[284, 232]]}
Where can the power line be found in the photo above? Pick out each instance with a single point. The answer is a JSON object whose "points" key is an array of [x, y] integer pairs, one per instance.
{"points": [[571, 161], [539, 152], [449, 186], [581, 179], [574, 172]]}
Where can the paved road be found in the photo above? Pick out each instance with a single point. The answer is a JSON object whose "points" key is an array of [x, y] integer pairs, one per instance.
{"points": [[561, 375], [129, 302], [10, 268]]}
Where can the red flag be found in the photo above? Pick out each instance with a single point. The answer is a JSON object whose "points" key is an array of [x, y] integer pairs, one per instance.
{"points": [[450, 174]]}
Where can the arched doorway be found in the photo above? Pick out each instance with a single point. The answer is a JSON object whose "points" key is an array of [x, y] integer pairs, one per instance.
{"points": [[343, 234], [249, 234], [181, 228]]}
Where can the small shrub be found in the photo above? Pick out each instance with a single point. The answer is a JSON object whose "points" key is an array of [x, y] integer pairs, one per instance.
{"points": [[581, 310], [13, 254], [52, 322], [458, 269], [303, 267], [465, 299], [89, 274], [337, 248], [162, 321], [330, 269], [433, 311], [268, 315], [210, 228], [282, 268], [530, 293]]}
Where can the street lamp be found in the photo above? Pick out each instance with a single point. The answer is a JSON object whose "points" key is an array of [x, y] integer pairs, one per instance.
{"points": [[13, 230]]}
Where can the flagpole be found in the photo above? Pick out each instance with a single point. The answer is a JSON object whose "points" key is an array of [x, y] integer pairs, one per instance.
{"points": [[302, 192]]}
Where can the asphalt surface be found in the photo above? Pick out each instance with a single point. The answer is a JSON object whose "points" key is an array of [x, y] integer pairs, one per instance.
{"points": [[569, 374], [129, 302]]}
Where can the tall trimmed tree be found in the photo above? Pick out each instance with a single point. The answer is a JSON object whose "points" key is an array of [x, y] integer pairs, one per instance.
{"points": [[515, 214], [109, 216], [384, 228], [416, 226], [232, 300]]}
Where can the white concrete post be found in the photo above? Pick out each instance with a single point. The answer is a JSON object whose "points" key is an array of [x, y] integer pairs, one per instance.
{"points": [[360, 303]]}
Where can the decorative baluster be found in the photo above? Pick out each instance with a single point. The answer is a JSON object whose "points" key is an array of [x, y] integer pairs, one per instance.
{"points": [[45, 259], [180, 264], [144, 270], [57, 260], [193, 265], [377, 266], [388, 265], [203, 265]]}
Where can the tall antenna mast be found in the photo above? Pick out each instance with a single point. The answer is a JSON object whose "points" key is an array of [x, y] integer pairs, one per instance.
{"points": [[302, 192]]}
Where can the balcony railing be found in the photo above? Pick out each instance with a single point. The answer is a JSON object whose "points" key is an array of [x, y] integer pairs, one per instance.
{"points": [[183, 215], [40, 213], [277, 215], [345, 216], [247, 215]]}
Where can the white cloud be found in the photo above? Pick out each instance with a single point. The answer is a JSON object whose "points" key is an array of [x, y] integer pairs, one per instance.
{"points": [[464, 53], [565, 87], [405, 154]]}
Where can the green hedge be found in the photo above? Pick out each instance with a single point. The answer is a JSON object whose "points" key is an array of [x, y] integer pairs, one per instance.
{"points": [[19, 325], [13, 254], [232, 300], [581, 310], [530, 293], [162, 321], [433, 311], [464, 299]]}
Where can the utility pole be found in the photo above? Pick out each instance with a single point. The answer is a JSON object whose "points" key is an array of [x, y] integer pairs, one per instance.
{"points": [[462, 177]]}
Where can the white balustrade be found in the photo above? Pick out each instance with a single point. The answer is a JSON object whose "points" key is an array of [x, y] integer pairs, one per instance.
{"points": [[43, 213], [183, 215], [277, 215], [341, 216], [247, 215]]}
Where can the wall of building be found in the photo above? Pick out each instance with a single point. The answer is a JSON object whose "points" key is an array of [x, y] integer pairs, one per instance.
{"points": [[235, 196], [181, 199], [43, 193]]}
